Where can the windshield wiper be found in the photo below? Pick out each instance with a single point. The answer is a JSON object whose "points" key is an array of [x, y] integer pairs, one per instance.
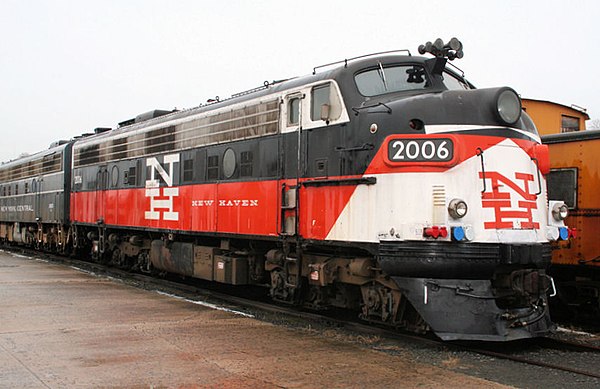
{"points": [[358, 109], [382, 76]]}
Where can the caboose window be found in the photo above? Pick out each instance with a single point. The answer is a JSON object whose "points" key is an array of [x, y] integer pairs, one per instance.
{"points": [[383, 80], [320, 97], [562, 185], [569, 124]]}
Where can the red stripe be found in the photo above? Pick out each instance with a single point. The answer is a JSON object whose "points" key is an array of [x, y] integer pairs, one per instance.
{"points": [[465, 147], [255, 207], [239, 208]]}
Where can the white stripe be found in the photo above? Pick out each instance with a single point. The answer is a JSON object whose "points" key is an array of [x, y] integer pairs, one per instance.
{"points": [[449, 128], [205, 304]]}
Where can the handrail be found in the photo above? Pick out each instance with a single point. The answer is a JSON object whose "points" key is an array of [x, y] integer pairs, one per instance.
{"points": [[345, 61]]}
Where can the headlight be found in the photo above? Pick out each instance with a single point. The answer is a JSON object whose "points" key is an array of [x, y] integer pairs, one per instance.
{"points": [[508, 106], [560, 212], [457, 208]]}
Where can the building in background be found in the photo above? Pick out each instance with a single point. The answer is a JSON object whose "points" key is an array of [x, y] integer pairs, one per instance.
{"points": [[554, 118]]}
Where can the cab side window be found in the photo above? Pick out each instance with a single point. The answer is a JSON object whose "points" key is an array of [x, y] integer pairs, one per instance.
{"points": [[293, 111], [320, 97]]}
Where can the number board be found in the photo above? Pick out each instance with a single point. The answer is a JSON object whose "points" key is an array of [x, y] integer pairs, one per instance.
{"points": [[425, 150]]}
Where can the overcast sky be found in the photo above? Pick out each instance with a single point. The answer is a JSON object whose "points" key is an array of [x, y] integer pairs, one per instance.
{"points": [[67, 67]]}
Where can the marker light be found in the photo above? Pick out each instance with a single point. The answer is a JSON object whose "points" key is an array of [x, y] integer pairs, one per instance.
{"points": [[563, 233], [458, 233], [435, 232], [508, 106], [560, 212], [457, 208], [573, 233]]}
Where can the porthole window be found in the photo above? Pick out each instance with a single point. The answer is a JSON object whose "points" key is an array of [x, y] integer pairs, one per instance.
{"points": [[114, 176], [228, 163]]}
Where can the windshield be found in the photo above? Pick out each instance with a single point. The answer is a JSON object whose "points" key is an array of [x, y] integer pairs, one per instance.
{"points": [[390, 79], [454, 83]]}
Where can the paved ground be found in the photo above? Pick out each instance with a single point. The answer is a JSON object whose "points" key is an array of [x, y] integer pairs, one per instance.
{"points": [[60, 328]]}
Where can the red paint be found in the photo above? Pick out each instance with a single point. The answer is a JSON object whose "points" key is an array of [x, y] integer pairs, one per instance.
{"points": [[321, 206], [435, 232], [254, 207], [499, 201], [465, 147], [238, 208], [573, 233]]}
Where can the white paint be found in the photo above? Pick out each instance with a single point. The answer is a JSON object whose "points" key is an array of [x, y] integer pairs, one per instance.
{"points": [[153, 189], [205, 304], [450, 128], [568, 331], [405, 202]]}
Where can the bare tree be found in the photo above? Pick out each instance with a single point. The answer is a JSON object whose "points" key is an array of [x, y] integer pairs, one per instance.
{"points": [[594, 124]]}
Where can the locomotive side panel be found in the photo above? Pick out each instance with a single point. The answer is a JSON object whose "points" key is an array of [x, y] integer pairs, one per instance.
{"points": [[171, 194]]}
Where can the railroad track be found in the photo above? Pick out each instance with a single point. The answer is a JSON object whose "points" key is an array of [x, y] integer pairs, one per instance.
{"points": [[556, 344], [193, 292]]}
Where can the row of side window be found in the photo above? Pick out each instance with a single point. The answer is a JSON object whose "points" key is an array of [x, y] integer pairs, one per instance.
{"points": [[215, 165], [7, 190], [227, 164]]}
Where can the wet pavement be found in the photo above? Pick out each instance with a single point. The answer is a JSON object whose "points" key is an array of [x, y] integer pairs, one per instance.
{"points": [[62, 328]]}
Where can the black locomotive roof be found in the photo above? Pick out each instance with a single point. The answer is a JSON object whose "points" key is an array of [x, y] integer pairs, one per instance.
{"points": [[33, 157], [343, 73]]}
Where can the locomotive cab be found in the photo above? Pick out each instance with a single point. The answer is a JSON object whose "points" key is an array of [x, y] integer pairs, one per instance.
{"points": [[452, 193]]}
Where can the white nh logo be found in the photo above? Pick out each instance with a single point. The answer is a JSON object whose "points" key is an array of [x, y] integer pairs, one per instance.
{"points": [[153, 189]]}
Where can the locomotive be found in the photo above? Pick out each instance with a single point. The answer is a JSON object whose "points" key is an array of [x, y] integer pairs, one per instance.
{"points": [[576, 262], [385, 184]]}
